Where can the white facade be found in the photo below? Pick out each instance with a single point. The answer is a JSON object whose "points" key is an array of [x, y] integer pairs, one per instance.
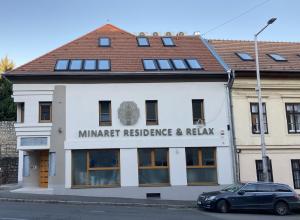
{"points": [[174, 111]]}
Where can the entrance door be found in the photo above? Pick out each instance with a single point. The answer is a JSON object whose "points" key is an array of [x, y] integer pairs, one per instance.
{"points": [[44, 155]]}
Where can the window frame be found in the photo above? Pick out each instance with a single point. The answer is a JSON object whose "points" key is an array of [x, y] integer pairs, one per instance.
{"points": [[138, 43], [105, 123], [294, 117], [40, 106], [270, 170], [271, 55], [293, 171], [153, 166], [170, 63], [148, 121], [200, 163], [155, 64], [166, 45], [99, 42], [70, 63], [239, 55], [20, 112], [201, 111], [183, 60], [190, 67], [264, 114]]}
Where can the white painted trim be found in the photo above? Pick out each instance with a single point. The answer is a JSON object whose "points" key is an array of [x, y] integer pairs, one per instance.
{"points": [[68, 169]]}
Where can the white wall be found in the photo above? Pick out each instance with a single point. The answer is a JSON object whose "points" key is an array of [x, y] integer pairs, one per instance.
{"points": [[174, 111]]}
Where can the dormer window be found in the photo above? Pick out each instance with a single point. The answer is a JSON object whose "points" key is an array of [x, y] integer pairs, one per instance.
{"points": [[62, 65], [244, 56], [104, 42], [143, 42], [168, 41], [277, 57]]}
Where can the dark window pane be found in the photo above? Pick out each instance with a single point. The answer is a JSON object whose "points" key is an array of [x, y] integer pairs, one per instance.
{"points": [[149, 65], [161, 157], [144, 157], [179, 64], [208, 156], [201, 175], [168, 41], [75, 64], [154, 176], [79, 167], [103, 158], [151, 111], [264, 188], [105, 112], [104, 177], [192, 156], [103, 64], [279, 188], [198, 114], [164, 64], [255, 118], [296, 173], [143, 41], [259, 170], [104, 42], [62, 65], [45, 112], [250, 188], [277, 57], [193, 64], [89, 65]]}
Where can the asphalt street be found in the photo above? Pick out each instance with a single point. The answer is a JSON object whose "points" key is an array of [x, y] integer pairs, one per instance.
{"points": [[26, 211]]}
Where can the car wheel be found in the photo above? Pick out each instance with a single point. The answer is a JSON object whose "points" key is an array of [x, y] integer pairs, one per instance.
{"points": [[222, 206], [281, 208]]}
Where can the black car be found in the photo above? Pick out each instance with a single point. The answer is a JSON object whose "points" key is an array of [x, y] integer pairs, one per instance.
{"points": [[265, 196]]}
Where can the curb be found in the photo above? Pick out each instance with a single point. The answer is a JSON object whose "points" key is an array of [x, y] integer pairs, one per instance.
{"points": [[97, 203]]}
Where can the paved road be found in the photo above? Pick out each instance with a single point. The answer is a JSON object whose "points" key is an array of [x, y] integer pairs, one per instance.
{"points": [[26, 211]]}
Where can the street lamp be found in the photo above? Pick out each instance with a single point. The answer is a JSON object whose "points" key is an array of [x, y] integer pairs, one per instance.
{"points": [[260, 107]]}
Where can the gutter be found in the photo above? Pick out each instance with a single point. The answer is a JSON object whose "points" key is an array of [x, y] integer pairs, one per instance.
{"points": [[230, 82]]}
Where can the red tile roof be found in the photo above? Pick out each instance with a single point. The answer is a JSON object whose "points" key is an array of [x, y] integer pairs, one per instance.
{"points": [[227, 49], [124, 53]]}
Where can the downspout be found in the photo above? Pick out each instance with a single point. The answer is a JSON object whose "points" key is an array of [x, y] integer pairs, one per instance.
{"points": [[231, 77], [236, 163]]}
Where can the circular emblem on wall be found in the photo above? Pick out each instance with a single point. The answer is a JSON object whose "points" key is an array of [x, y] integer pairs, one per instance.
{"points": [[128, 113]]}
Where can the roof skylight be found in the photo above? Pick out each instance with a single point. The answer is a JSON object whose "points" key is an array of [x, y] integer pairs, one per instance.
{"points": [[244, 56], [277, 57]]}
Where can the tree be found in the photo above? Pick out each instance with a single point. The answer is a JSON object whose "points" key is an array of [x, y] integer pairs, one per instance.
{"points": [[7, 105]]}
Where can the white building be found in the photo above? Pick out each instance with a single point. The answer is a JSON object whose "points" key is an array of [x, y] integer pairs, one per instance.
{"points": [[113, 114]]}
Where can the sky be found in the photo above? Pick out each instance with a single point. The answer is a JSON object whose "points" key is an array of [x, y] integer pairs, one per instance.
{"points": [[31, 28]]}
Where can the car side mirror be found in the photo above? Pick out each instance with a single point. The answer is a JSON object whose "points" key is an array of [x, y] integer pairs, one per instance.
{"points": [[242, 192]]}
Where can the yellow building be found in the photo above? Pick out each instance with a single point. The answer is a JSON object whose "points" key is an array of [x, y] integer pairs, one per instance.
{"points": [[280, 74]]}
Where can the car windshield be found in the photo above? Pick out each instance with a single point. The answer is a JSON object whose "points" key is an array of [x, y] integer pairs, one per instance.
{"points": [[233, 188]]}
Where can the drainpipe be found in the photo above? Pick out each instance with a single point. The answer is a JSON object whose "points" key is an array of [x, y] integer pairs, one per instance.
{"points": [[231, 77], [236, 165]]}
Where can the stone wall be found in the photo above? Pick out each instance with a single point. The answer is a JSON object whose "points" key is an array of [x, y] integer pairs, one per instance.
{"points": [[8, 139], [8, 153]]}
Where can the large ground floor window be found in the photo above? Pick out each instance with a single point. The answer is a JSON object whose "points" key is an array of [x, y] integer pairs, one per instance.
{"points": [[153, 166], [201, 165], [96, 168]]}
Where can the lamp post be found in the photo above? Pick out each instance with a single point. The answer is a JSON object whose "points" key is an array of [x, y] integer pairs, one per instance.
{"points": [[260, 106]]}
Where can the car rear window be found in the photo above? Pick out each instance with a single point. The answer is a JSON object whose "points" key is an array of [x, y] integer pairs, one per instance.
{"points": [[265, 188], [281, 189]]}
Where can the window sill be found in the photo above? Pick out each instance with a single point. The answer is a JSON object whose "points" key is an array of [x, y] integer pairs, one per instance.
{"points": [[203, 184], [96, 186], [155, 185]]}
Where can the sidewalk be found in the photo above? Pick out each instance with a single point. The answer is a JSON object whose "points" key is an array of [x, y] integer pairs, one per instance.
{"points": [[7, 195]]}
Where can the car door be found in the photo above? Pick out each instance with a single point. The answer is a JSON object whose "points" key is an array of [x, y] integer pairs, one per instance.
{"points": [[244, 199], [264, 196]]}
